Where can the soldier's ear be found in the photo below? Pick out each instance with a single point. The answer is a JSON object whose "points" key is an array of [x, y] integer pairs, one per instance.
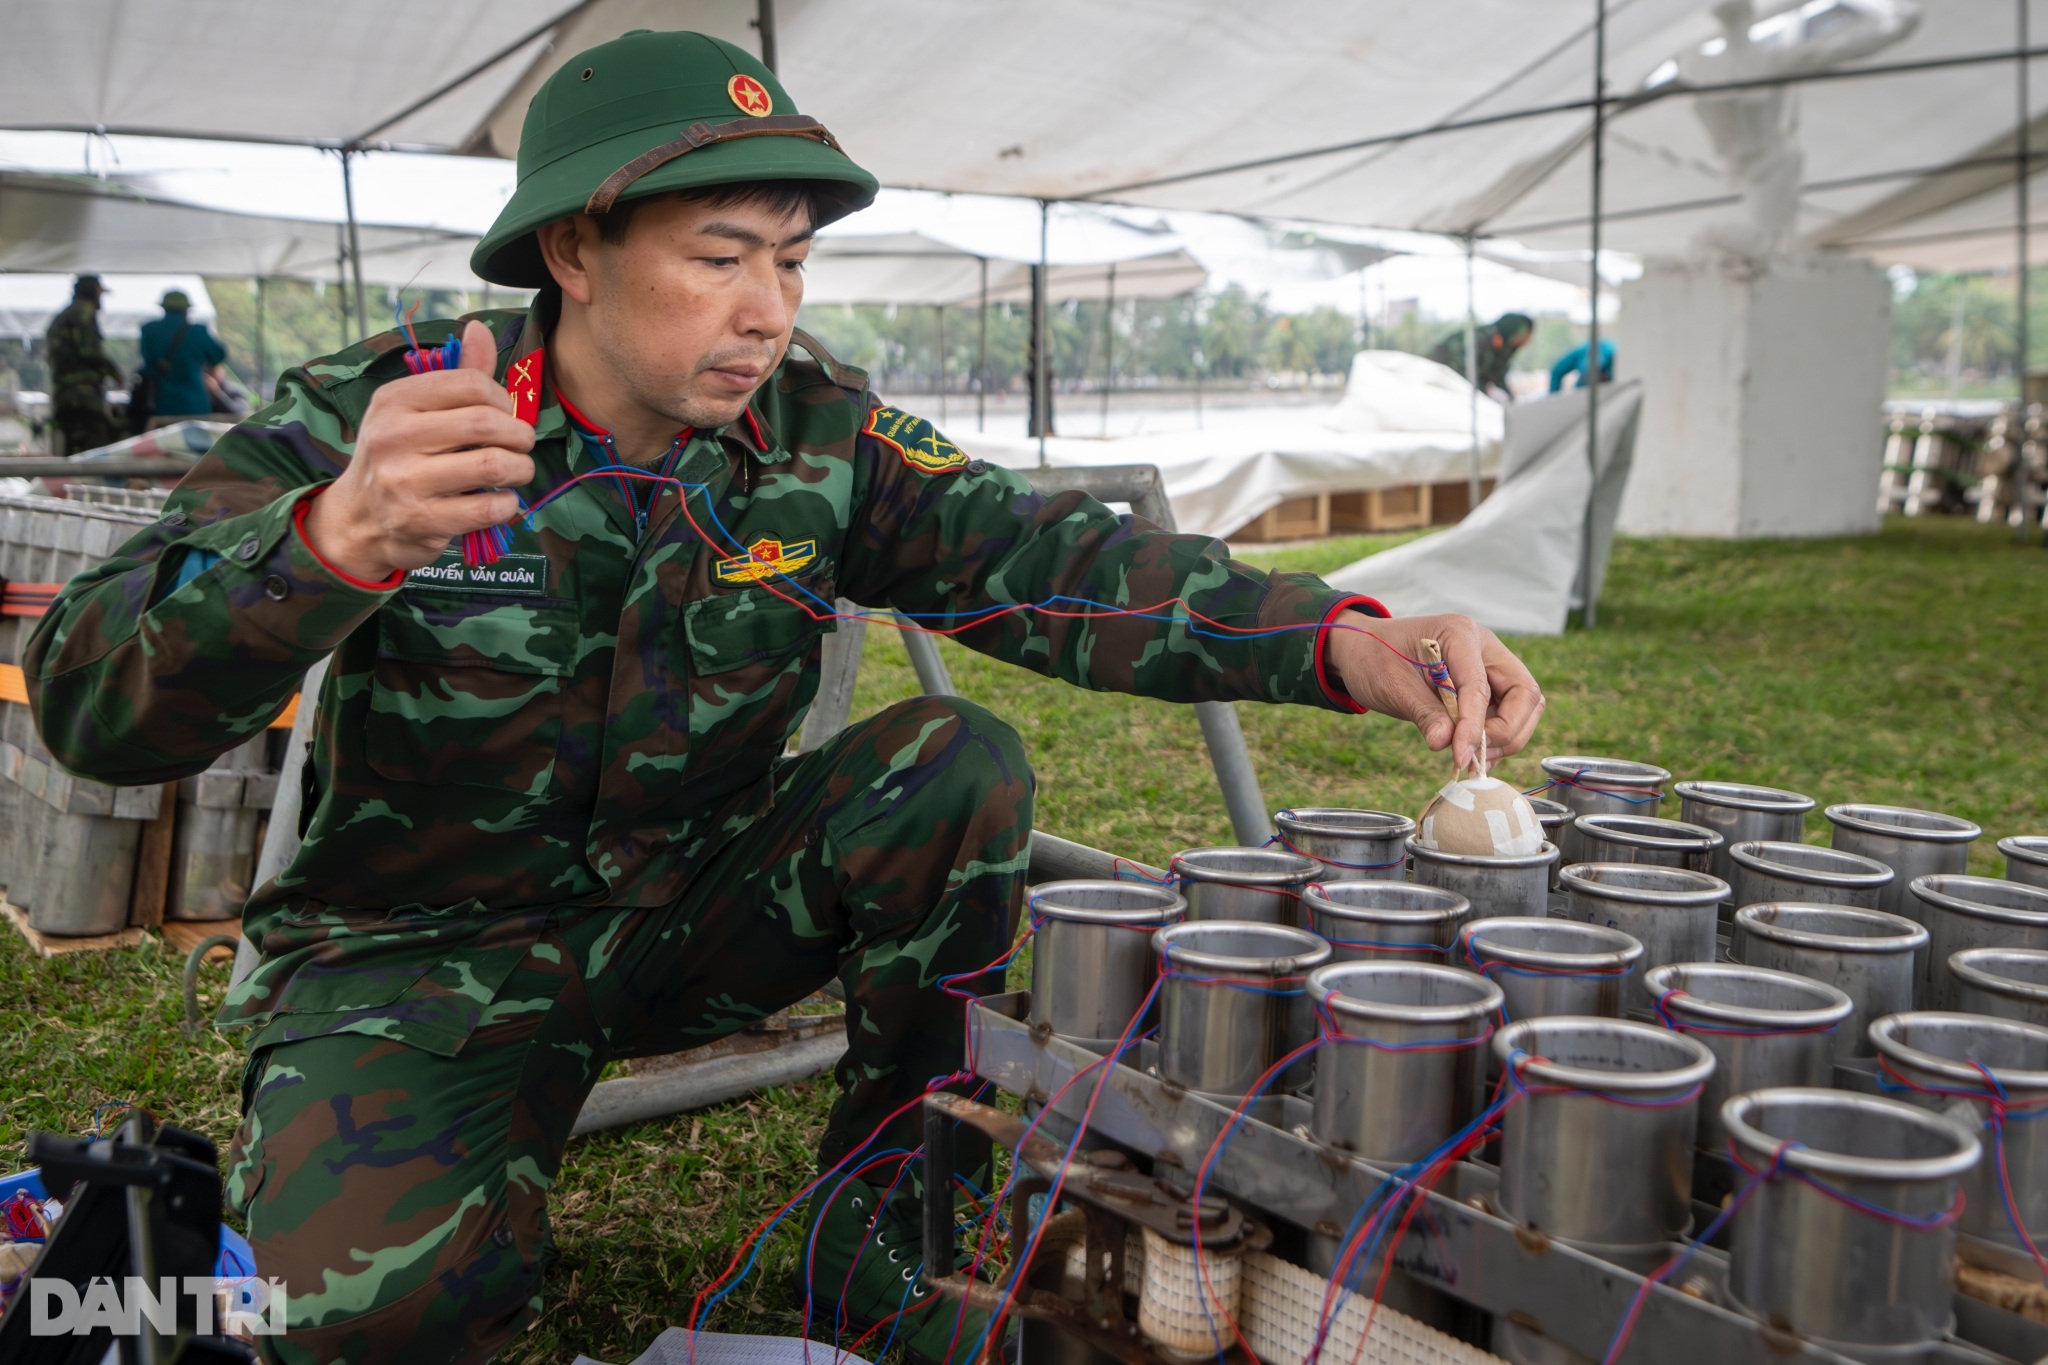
{"points": [[566, 246]]}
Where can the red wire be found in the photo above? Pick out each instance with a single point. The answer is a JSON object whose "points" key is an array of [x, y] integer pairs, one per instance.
{"points": [[994, 614]]}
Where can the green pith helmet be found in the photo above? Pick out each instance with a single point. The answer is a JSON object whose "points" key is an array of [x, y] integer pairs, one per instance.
{"points": [[649, 113]]}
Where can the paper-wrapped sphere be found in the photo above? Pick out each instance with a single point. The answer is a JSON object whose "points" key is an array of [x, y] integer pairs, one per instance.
{"points": [[1481, 817]]}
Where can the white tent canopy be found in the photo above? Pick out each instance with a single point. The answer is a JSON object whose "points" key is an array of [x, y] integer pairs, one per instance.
{"points": [[921, 249], [1072, 99], [29, 302], [54, 223]]}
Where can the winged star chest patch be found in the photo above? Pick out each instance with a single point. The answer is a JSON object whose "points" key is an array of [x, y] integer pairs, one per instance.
{"points": [[767, 558], [916, 440]]}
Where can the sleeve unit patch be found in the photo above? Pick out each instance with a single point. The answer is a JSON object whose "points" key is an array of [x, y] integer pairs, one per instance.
{"points": [[916, 440]]}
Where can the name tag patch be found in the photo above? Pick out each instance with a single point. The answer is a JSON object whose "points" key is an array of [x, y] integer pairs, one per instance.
{"points": [[515, 575]]}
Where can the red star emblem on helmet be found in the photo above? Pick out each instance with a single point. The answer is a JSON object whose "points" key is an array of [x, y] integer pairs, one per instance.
{"points": [[750, 95]]}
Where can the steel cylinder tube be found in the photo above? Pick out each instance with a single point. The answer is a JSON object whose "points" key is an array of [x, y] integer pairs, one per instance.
{"points": [[1647, 839], [1554, 817], [1765, 1028], [1602, 786], [1769, 870], [1672, 912], [1975, 912], [1233, 1003], [2003, 983], [1809, 1263], [1397, 921], [1596, 1148], [1912, 843], [1258, 884], [1402, 1065], [1092, 961], [1866, 954], [1551, 966], [1740, 813], [1510, 884], [1351, 845], [1964, 1065], [2026, 858]]}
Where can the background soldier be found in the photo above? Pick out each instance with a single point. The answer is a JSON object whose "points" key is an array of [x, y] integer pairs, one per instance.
{"points": [[80, 369], [1497, 343], [550, 821]]}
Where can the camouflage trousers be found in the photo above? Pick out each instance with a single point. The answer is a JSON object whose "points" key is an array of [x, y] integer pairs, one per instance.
{"points": [[402, 1196], [85, 426]]}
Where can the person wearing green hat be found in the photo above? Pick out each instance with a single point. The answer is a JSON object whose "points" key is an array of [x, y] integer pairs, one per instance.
{"points": [[181, 360], [574, 565], [1497, 343]]}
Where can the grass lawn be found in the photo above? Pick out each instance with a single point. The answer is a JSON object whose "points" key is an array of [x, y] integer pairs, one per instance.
{"points": [[1908, 667]]}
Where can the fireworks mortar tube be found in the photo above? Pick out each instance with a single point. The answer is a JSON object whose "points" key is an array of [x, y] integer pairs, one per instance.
{"points": [[1975, 912], [1739, 812], [1806, 1262], [1867, 954], [1912, 843], [1092, 963], [2002, 983], [1673, 913]]}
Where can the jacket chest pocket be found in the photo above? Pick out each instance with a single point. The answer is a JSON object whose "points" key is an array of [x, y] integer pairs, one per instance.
{"points": [[749, 654], [467, 691]]}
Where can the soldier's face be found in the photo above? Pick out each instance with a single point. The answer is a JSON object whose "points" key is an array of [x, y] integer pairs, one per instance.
{"points": [[692, 311]]}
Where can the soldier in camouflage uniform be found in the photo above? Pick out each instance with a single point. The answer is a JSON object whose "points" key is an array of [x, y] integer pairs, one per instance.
{"points": [[79, 370], [550, 816]]}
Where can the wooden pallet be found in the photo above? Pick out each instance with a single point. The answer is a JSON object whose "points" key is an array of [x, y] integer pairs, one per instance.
{"points": [[55, 945], [181, 935]]}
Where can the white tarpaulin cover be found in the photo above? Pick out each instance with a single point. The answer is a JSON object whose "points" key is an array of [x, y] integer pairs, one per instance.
{"points": [[1066, 99], [72, 223], [1403, 420], [28, 302], [1514, 563]]}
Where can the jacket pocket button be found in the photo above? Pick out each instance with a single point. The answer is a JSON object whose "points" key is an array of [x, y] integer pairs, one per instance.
{"points": [[249, 548], [276, 589]]}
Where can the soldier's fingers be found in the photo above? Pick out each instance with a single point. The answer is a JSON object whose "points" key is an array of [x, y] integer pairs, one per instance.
{"points": [[456, 516], [1402, 690], [440, 389], [1518, 703], [464, 470], [479, 349], [1461, 643], [1516, 712], [464, 428]]}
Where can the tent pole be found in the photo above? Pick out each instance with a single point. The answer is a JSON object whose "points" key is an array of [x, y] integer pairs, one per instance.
{"points": [[765, 21], [262, 351], [939, 361], [341, 284], [355, 242], [1108, 347], [1041, 369], [1589, 616], [981, 357], [2022, 168], [1472, 374]]}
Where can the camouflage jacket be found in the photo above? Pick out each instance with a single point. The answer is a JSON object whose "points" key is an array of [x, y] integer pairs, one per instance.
{"points": [[582, 723], [77, 357]]}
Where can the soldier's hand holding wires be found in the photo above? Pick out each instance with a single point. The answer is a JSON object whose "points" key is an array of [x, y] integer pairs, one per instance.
{"points": [[435, 458], [1379, 665]]}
